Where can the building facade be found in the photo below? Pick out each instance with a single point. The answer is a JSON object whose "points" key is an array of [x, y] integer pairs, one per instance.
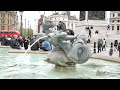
{"points": [[114, 20], [95, 20], [8, 20], [64, 16]]}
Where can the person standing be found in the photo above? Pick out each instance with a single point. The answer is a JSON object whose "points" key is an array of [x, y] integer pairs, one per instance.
{"points": [[111, 51], [26, 43], [115, 45], [119, 49], [99, 46], [89, 33], [104, 44], [94, 47]]}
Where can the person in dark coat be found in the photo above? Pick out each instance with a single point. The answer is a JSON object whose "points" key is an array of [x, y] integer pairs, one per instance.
{"points": [[111, 51], [115, 45], [35, 46], [119, 49], [20, 40], [3, 40], [89, 33], [14, 43], [111, 44], [99, 45], [26, 43]]}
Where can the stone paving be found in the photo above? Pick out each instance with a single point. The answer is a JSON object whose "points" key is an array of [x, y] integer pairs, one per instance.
{"points": [[104, 55]]}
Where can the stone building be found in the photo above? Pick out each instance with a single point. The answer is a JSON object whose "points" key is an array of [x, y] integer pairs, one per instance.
{"points": [[114, 20], [8, 20], [95, 20], [64, 16]]}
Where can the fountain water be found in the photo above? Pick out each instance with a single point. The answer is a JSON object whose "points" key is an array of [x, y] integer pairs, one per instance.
{"points": [[65, 50], [34, 43], [26, 60]]}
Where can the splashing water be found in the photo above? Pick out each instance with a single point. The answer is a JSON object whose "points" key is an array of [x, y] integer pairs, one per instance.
{"points": [[22, 61], [26, 60], [34, 43]]}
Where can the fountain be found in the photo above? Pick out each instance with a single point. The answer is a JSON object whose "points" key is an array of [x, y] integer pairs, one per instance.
{"points": [[68, 50]]}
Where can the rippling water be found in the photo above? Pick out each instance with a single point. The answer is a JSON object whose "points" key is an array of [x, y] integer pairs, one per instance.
{"points": [[32, 66]]}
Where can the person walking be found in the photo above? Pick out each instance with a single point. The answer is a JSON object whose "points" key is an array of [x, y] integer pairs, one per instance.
{"points": [[119, 49], [104, 45]]}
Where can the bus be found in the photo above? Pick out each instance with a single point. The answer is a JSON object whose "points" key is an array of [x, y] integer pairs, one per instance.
{"points": [[9, 33]]}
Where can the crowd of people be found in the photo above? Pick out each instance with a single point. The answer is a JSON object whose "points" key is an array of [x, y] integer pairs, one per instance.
{"points": [[116, 46], [19, 42], [102, 44]]}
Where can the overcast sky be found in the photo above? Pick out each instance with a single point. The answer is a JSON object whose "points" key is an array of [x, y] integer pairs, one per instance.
{"points": [[34, 15]]}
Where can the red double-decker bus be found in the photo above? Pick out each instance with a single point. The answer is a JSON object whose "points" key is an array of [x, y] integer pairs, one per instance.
{"points": [[9, 33]]}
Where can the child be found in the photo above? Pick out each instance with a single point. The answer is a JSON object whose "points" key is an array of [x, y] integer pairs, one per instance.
{"points": [[111, 51]]}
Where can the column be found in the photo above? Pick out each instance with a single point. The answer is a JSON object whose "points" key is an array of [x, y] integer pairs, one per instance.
{"points": [[86, 16], [106, 16]]}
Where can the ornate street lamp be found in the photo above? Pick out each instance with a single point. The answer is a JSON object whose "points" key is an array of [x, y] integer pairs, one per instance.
{"points": [[21, 14]]}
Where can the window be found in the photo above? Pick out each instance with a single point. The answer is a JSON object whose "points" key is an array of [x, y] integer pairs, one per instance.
{"points": [[0, 14], [117, 27], [118, 14], [112, 27], [113, 21], [8, 21], [8, 27], [113, 15], [55, 18], [2, 21], [118, 21], [2, 27]]}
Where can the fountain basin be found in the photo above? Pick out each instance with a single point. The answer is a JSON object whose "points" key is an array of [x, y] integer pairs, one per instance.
{"points": [[39, 69], [29, 51]]}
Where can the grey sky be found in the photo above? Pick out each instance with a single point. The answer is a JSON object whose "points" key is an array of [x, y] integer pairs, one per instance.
{"points": [[33, 15]]}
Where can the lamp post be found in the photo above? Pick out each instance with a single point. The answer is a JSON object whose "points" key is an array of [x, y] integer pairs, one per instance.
{"points": [[21, 14], [25, 26], [28, 29]]}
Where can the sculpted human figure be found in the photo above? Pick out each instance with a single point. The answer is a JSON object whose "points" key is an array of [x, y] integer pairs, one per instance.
{"points": [[66, 53]]}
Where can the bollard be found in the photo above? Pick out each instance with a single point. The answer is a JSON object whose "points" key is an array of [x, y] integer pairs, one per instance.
{"points": [[94, 47]]}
